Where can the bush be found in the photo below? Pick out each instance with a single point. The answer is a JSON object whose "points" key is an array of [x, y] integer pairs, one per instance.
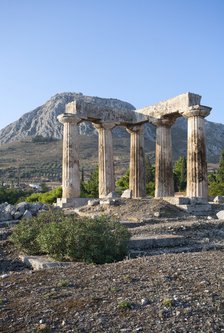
{"points": [[98, 240], [47, 197], [25, 234], [12, 195]]}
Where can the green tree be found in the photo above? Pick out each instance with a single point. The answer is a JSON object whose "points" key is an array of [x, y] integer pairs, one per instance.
{"points": [[180, 174], [123, 182], [149, 171], [90, 188], [216, 179], [220, 172]]}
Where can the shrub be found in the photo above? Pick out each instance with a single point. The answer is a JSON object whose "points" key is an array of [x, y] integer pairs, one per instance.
{"points": [[25, 234], [51, 240], [47, 197], [124, 305], [12, 195], [98, 240]]}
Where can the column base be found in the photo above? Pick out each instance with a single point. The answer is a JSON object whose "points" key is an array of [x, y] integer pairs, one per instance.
{"points": [[71, 202], [186, 200]]}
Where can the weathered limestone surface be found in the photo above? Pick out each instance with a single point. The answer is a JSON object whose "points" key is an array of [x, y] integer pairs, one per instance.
{"points": [[106, 162], [70, 163], [106, 112], [164, 186], [137, 165], [171, 106], [197, 181]]}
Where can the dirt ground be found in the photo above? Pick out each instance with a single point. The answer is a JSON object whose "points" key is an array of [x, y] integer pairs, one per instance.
{"points": [[136, 210], [169, 293]]}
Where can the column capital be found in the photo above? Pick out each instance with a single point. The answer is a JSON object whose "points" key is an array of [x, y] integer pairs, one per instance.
{"points": [[197, 111], [106, 126], [164, 122], [134, 128], [68, 118]]}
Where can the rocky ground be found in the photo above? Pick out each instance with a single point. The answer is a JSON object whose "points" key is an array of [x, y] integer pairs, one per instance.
{"points": [[137, 210], [157, 292]]}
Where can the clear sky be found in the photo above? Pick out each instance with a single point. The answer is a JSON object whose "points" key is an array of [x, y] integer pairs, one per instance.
{"points": [[140, 51]]}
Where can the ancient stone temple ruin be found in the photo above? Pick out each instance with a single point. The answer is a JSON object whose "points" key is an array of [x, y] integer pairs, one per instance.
{"points": [[163, 115]]}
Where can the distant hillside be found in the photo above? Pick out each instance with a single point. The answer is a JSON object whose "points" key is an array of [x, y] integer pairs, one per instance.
{"points": [[43, 121]]}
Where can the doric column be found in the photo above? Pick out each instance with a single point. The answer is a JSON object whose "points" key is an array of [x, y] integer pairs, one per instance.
{"points": [[106, 161], [197, 180], [137, 162], [164, 186], [70, 162]]}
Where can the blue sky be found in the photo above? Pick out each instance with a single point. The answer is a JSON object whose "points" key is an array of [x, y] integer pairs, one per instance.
{"points": [[140, 51]]}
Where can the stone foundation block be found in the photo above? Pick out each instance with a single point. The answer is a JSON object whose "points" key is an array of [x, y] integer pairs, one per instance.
{"points": [[71, 202]]}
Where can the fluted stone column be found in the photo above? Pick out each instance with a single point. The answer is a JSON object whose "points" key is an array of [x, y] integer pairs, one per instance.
{"points": [[106, 161], [70, 162], [164, 186], [197, 180], [137, 162]]}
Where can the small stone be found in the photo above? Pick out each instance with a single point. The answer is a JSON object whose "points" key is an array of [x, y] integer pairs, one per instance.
{"points": [[42, 327], [127, 194], [93, 202], [144, 301], [3, 276], [157, 214]]}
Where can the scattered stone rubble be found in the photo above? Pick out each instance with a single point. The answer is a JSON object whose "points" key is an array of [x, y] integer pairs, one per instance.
{"points": [[21, 210]]}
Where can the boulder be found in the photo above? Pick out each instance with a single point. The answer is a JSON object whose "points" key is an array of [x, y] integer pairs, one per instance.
{"points": [[127, 194], [112, 195], [4, 216], [27, 215], [35, 207], [93, 202], [220, 215], [22, 207], [10, 209], [17, 215], [219, 199]]}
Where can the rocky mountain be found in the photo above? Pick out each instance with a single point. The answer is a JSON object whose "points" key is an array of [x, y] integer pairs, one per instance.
{"points": [[43, 121]]}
